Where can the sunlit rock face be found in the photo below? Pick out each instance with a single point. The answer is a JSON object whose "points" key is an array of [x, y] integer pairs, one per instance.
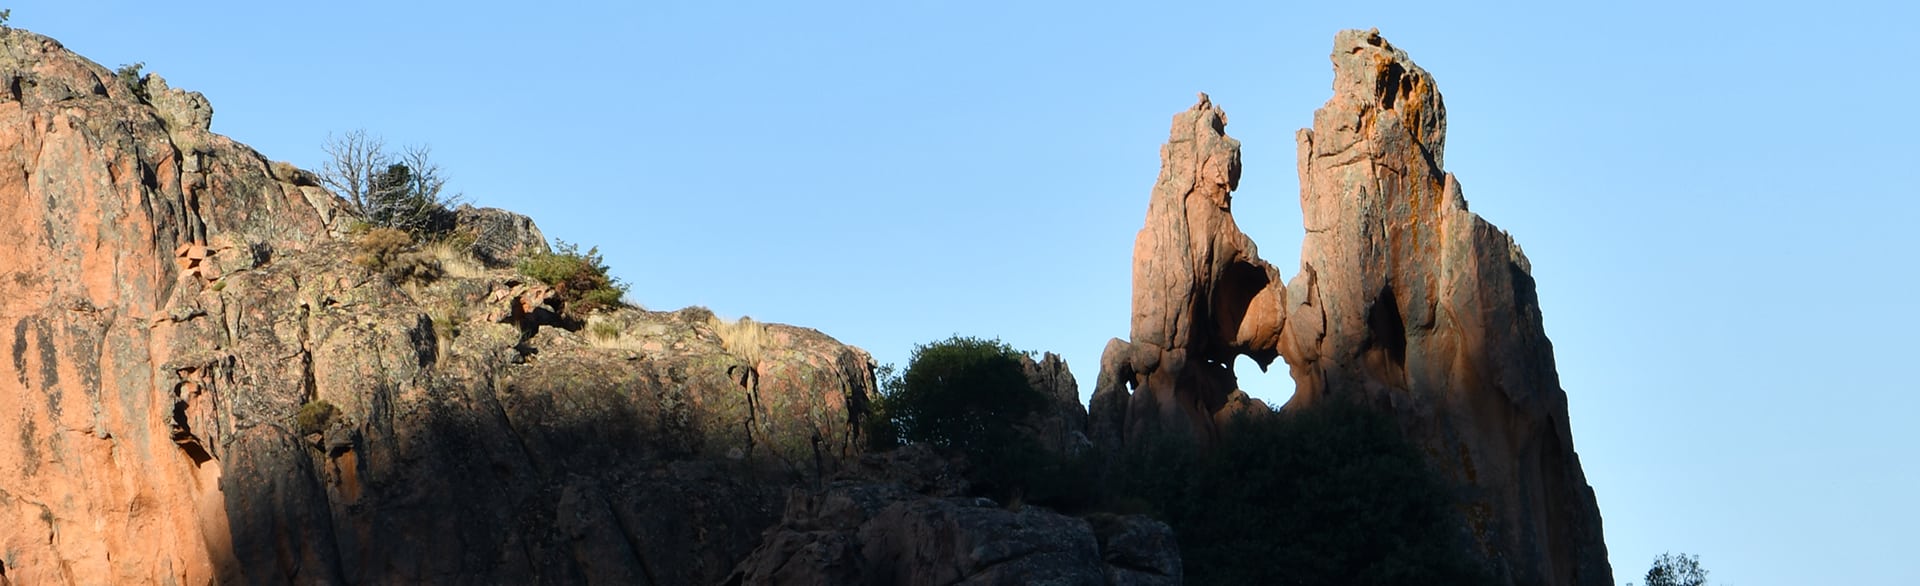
{"points": [[170, 300], [1201, 294], [1405, 302]]}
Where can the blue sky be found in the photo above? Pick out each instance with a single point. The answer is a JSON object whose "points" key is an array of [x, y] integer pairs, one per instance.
{"points": [[1718, 201]]}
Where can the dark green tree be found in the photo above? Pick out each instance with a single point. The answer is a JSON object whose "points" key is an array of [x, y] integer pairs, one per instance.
{"points": [[1676, 570], [970, 395], [407, 196]]}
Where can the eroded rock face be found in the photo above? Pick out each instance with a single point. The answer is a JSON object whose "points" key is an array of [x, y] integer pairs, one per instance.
{"points": [[1405, 302], [170, 300]]}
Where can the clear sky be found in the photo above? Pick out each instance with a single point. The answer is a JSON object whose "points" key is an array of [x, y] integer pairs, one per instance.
{"points": [[1719, 202]]}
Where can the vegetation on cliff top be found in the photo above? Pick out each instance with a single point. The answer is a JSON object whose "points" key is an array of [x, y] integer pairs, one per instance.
{"points": [[580, 278], [1672, 569], [404, 190], [971, 396], [1330, 495]]}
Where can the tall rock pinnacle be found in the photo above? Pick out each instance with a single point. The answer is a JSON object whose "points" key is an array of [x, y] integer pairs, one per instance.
{"points": [[1201, 294], [1405, 302]]}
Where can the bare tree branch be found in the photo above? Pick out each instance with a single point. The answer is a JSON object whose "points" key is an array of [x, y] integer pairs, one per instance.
{"points": [[353, 159], [426, 180]]}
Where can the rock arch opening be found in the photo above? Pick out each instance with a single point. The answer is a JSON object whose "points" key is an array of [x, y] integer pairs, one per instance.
{"points": [[1274, 386]]}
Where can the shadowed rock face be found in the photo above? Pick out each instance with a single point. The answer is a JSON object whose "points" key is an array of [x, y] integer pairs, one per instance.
{"points": [[1405, 302], [902, 518], [170, 299]]}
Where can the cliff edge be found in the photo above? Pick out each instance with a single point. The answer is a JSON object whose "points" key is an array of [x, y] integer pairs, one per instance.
{"points": [[201, 387]]}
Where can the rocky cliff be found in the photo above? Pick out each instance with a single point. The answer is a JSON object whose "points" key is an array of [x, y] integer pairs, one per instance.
{"points": [[201, 387], [1405, 302]]}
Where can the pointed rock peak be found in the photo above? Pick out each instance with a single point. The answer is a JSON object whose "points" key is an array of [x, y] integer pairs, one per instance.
{"points": [[1203, 119], [1372, 78], [1406, 303]]}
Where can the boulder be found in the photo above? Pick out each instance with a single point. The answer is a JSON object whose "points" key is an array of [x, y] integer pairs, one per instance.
{"points": [[500, 237]]}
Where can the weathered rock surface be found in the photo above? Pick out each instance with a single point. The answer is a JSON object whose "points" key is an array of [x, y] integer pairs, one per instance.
{"points": [[1405, 302], [1201, 294], [1061, 426], [500, 237], [170, 300], [902, 518]]}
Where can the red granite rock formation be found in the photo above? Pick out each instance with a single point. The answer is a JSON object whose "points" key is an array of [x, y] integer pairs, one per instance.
{"points": [[1405, 302], [1201, 294], [170, 300]]}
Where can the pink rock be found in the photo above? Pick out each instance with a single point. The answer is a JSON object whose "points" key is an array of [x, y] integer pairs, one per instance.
{"points": [[1405, 302]]}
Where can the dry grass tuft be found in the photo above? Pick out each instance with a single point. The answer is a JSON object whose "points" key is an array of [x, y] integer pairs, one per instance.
{"points": [[455, 255], [389, 252], [604, 332], [743, 338], [602, 329]]}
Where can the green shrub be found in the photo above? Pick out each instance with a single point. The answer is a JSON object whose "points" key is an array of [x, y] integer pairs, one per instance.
{"points": [[1672, 569], [1329, 495], [314, 417], [580, 279], [129, 76], [969, 395]]}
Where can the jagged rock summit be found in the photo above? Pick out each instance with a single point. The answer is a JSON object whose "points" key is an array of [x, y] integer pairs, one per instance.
{"points": [[1405, 302]]}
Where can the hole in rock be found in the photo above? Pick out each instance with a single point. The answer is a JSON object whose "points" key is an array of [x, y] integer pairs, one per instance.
{"points": [[1275, 386], [1386, 330]]}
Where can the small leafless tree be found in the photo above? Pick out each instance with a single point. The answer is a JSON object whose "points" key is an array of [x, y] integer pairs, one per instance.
{"points": [[402, 190], [426, 180], [353, 159]]}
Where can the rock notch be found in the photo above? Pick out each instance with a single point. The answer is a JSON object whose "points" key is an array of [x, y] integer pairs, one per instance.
{"points": [[1405, 302]]}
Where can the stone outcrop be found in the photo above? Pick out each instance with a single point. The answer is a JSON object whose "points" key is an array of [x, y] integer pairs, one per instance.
{"points": [[1405, 302], [903, 518], [1061, 426], [1201, 294], [500, 237], [200, 387]]}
